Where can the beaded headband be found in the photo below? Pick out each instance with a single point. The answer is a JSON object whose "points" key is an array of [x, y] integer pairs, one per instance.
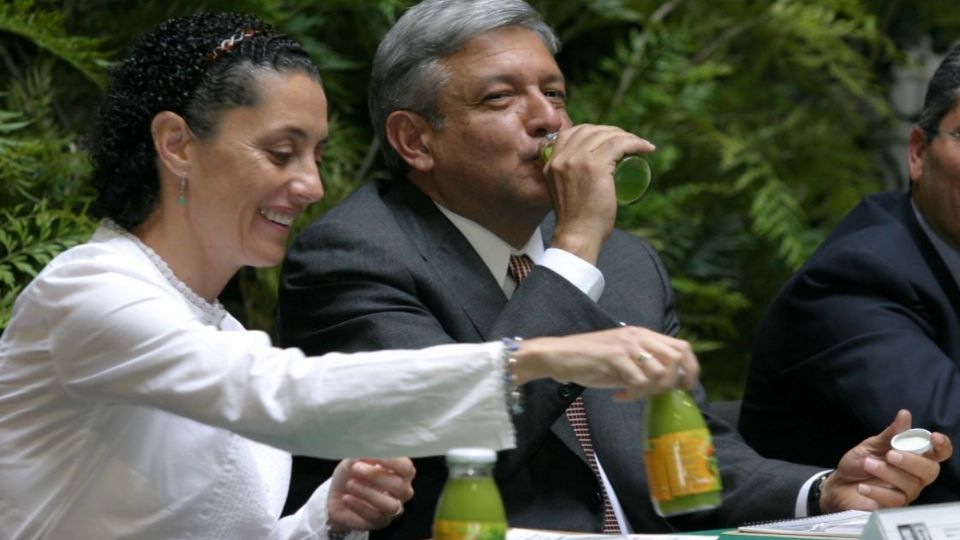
{"points": [[228, 45]]}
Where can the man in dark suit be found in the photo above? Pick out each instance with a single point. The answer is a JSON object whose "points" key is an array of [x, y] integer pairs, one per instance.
{"points": [[462, 96], [870, 324]]}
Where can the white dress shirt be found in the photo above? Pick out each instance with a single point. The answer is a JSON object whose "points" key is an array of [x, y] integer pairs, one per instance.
{"points": [[129, 407]]}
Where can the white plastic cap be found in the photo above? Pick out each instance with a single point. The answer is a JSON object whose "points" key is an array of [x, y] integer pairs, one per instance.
{"points": [[915, 441], [471, 455]]}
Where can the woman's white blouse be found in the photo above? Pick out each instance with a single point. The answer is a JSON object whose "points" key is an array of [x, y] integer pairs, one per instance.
{"points": [[128, 410]]}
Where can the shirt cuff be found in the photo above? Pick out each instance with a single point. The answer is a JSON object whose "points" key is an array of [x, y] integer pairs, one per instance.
{"points": [[581, 274], [801, 508]]}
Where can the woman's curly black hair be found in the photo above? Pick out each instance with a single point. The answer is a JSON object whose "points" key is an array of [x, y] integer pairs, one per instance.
{"points": [[171, 69]]}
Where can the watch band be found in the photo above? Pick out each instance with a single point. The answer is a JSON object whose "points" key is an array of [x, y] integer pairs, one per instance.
{"points": [[813, 496]]}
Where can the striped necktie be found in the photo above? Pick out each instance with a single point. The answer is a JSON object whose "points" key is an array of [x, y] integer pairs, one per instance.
{"points": [[518, 269]]}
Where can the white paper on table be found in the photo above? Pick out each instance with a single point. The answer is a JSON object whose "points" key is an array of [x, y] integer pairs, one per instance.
{"points": [[533, 534], [845, 524]]}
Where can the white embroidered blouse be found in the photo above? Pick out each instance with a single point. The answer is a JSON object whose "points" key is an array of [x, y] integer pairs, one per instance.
{"points": [[129, 407]]}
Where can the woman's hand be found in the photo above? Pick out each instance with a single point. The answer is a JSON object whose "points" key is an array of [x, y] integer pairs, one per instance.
{"points": [[639, 361], [367, 494]]}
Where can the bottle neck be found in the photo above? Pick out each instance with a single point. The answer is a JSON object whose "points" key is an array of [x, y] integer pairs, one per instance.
{"points": [[471, 470]]}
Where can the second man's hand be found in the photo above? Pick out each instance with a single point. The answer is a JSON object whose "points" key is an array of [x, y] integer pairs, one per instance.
{"points": [[872, 475]]}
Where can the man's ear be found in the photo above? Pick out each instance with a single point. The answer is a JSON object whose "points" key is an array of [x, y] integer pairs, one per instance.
{"points": [[410, 135], [916, 148], [171, 136]]}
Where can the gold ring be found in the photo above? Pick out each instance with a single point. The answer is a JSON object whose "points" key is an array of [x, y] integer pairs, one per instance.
{"points": [[646, 357]]}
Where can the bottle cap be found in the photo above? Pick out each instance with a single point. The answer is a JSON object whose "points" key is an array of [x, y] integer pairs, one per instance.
{"points": [[915, 441], [471, 455]]}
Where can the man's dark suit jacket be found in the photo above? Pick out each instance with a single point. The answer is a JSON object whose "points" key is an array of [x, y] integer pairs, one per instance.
{"points": [[386, 269], [868, 326]]}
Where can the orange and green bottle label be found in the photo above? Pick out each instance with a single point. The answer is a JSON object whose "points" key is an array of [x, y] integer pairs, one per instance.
{"points": [[445, 529], [680, 464]]}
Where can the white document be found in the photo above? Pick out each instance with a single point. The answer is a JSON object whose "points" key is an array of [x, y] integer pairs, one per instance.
{"points": [[847, 524], [531, 534]]}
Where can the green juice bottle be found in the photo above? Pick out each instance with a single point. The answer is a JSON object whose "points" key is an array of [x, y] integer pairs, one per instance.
{"points": [[632, 175], [470, 507], [678, 455]]}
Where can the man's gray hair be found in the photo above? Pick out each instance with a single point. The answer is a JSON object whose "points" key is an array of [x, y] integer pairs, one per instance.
{"points": [[407, 73]]}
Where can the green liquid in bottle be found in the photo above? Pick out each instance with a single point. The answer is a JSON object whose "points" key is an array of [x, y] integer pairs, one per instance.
{"points": [[678, 455], [631, 179], [632, 176], [470, 507]]}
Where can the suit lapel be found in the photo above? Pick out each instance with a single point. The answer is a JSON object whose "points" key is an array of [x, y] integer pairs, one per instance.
{"points": [[455, 263], [929, 252]]}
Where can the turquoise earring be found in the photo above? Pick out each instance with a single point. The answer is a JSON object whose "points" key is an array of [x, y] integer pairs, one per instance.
{"points": [[182, 198]]}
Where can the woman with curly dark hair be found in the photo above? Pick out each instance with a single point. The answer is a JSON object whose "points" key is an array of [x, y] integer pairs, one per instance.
{"points": [[133, 405]]}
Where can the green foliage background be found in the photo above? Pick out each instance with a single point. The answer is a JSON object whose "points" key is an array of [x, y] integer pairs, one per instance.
{"points": [[768, 116]]}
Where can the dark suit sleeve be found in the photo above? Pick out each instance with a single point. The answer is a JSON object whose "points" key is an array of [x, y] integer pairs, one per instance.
{"points": [[851, 341]]}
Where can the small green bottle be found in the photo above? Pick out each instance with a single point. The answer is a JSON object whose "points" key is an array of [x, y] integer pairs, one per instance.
{"points": [[470, 507], [678, 455], [632, 175]]}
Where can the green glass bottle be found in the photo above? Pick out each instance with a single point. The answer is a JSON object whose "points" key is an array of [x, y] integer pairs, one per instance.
{"points": [[470, 507], [632, 175], [678, 455]]}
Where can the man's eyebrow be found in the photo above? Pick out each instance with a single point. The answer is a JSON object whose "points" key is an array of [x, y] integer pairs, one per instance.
{"points": [[295, 132], [510, 78]]}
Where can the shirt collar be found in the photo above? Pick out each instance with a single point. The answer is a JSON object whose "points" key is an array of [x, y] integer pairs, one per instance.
{"points": [[494, 251], [949, 254]]}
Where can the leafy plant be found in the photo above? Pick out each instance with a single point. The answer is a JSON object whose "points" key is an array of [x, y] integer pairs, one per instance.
{"points": [[33, 235], [45, 29], [43, 198]]}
